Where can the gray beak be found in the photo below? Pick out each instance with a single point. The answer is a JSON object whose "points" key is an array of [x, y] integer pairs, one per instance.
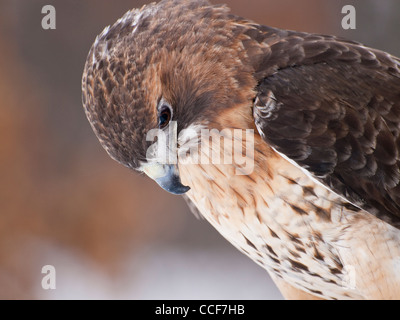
{"points": [[167, 177]]}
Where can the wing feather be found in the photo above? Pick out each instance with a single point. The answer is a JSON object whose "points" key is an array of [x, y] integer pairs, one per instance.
{"points": [[333, 107]]}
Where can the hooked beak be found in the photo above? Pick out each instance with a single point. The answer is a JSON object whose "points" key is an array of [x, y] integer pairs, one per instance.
{"points": [[167, 177]]}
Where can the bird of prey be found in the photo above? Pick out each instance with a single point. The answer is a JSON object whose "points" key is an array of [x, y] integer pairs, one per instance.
{"points": [[319, 208]]}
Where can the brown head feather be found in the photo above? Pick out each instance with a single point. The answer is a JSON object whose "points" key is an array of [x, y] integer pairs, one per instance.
{"points": [[176, 50]]}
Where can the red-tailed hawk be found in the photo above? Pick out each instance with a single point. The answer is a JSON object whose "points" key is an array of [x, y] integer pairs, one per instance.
{"points": [[320, 207]]}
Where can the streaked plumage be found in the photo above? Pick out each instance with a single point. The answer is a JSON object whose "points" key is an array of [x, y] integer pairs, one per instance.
{"points": [[321, 209]]}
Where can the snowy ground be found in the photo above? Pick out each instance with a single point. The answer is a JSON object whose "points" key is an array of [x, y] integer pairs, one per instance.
{"points": [[162, 273]]}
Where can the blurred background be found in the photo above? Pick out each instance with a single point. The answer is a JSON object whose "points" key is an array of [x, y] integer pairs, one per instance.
{"points": [[110, 233]]}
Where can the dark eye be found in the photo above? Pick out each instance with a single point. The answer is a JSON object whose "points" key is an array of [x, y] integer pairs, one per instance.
{"points": [[164, 116]]}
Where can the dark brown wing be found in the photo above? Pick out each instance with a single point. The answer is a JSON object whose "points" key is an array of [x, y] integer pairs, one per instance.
{"points": [[333, 106]]}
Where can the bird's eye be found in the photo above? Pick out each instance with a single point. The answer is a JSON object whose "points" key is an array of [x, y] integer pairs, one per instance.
{"points": [[164, 116]]}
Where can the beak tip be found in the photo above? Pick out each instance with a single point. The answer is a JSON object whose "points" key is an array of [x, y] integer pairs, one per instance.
{"points": [[167, 177], [173, 185], [179, 190]]}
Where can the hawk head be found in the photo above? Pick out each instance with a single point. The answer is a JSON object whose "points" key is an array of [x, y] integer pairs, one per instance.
{"points": [[176, 62]]}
